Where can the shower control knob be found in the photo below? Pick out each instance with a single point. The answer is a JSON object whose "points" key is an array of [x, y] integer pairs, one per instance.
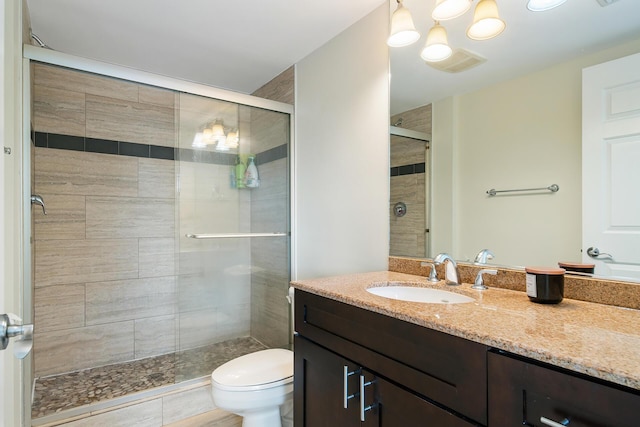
{"points": [[400, 209]]}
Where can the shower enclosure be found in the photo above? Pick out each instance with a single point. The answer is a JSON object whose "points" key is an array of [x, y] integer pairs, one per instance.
{"points": [[156, 261]]}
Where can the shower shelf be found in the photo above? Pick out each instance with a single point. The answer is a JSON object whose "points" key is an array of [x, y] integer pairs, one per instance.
{"points": [[233, 235]]}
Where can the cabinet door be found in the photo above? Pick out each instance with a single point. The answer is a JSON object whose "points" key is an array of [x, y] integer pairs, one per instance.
{"points": [[319, 387], [443, 368], [393, 406], [523, 393]]}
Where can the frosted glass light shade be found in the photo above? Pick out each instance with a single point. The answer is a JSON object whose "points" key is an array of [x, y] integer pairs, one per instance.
{"points": [[437, 46], [542, 5], [486, 21], [449, 9], [217, 130], [232, 139], [403, 32]]}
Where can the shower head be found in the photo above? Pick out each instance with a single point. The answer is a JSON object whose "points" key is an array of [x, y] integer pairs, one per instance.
{"points": [[39, 41]]}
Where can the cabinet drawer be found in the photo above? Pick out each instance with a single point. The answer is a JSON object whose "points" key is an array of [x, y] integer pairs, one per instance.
{"points": [[445, 369], [521, 393]]}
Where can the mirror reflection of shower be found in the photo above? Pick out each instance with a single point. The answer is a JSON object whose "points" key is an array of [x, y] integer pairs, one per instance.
{"points": [[409, 183]]}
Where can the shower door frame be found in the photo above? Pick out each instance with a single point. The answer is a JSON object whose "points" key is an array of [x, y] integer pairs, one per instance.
{"points": [[47, 56]]}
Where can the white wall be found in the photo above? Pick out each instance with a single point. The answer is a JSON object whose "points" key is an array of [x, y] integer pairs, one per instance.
{"points": [[341, 194], [521, 133]]}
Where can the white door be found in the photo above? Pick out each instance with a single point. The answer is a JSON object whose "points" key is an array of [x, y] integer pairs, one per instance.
{"points": [[611, 167]]}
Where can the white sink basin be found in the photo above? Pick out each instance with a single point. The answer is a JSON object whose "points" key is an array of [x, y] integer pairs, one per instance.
{"points": [[417, 294]]}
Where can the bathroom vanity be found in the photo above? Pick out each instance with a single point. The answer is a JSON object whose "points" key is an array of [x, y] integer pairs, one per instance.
{"points": [[362, 359]]}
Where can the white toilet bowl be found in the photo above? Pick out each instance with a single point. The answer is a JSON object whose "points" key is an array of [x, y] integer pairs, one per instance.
{"points": [[258, 387]]}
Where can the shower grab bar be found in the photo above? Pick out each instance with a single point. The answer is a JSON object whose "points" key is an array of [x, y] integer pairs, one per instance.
{"points": [[233, 235], [553, 188]]}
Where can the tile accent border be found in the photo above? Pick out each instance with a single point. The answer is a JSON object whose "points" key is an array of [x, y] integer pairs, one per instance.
{"points": [[104, 146], [123, 148], [408, 169]]}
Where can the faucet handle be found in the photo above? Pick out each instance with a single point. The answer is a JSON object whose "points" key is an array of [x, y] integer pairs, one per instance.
{"points": [[479, 282], [433, 274], [483, 256]]}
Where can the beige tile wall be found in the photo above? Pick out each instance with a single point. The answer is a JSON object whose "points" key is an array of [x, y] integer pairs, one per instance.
{"points": [[104, 265], [72, 102], [270, 311], [280, 88], [418, 119], [105, 274], [407, 233]]}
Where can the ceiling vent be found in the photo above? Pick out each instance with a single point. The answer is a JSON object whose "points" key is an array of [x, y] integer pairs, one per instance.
{"points": [[604, 3], [460, 60]]}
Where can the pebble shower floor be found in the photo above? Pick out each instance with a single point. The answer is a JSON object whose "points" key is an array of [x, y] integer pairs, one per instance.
{"points": [[71, 390]]}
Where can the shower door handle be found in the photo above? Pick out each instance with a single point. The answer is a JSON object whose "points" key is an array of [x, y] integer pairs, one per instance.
{"points": [[37, 200], [11, 326]]}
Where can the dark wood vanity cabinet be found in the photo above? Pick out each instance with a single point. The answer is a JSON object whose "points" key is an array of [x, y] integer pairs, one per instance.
{"points": [[416, 376], [526, 393], [411, 376]]}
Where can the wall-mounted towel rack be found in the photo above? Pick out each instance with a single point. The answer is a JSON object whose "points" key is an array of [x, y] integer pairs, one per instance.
{"points": [[233, 235], [553, 188]]}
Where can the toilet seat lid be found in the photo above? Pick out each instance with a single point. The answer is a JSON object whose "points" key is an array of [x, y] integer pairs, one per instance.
{"points": [[255, 369]]}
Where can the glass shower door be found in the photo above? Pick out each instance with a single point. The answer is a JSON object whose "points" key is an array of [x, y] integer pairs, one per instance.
{"points": [[233, 232]]}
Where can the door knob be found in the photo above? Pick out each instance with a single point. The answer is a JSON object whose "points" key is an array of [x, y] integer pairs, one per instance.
{"points": [[11, 326], [595, 253]]}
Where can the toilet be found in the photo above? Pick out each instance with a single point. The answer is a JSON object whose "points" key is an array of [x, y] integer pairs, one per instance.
{"points": [[258, 387]]}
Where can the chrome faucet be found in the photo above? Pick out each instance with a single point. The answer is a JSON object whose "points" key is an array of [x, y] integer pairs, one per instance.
{"points": [[452, 277], [483, 256]]}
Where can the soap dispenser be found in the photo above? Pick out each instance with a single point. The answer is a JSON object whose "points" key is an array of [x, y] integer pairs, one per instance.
{"points": [[251, 174]]}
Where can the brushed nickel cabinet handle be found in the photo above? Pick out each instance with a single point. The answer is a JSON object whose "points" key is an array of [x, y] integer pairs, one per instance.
{"points": [[346, 376], [548, 422], [364, 409]]}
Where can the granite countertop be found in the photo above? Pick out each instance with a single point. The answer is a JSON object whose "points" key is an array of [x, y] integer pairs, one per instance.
{"points": [[598, 340]]}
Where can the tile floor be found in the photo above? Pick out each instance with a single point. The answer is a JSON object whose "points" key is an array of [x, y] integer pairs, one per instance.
{"points": [[62, 392]]}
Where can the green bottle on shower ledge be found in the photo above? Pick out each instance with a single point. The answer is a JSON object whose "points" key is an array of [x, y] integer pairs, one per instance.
{"points": [[240, 170]]}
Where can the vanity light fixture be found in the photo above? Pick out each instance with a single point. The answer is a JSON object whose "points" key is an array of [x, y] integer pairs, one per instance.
{"points": [[486, 24], [437, 46], [449, 9], [542, 5], [486, 21], [214, 134], [403, 32]]}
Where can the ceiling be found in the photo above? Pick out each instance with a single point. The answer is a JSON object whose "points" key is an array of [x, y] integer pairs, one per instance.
{"points": [[531, 41], [240, 45], [232, 44]]}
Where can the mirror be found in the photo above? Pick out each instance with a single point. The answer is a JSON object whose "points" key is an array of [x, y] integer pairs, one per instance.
{"points": [[512, 122]]}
